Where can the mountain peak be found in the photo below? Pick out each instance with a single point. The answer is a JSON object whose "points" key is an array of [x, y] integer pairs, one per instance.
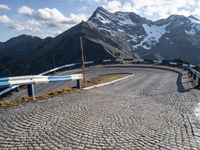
{"points": [[101, 9], [192, 17], [23, 37], [175, 17]]}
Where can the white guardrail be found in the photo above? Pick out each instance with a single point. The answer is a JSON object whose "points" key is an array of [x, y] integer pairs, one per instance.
{"points": [[32, 80], [193, 73], [107, 60], [14, 82], [44, 73], [58, 68], [25, 80]]}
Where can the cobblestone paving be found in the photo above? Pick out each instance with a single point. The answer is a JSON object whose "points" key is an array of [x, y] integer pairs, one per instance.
{"points": [[144, 112]]}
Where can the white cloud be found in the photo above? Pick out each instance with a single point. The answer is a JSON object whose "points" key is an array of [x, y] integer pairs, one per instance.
{"points": [[48, 14], [116, 5], [14, 25], [46, 21], [4, 19], [5, 7], [17, 26], [24, 10], [156, 9], [52, 17]]}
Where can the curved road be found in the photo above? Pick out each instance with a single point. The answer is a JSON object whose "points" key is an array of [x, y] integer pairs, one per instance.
{"points": [[147, 111]]}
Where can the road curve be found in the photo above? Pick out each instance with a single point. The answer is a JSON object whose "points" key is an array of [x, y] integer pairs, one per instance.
{"points": [[147, 111]]}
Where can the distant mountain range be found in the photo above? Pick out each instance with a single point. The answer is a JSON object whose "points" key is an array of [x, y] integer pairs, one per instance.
{"points": [[177, 37], [106, 35]]}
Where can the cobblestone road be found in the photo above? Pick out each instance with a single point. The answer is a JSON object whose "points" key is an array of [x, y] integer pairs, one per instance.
{"points": [[143, 112]]}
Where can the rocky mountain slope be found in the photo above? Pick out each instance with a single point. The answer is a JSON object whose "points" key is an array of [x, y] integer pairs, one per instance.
{"points": [[177, 37], [33, 58], [16, 52]]}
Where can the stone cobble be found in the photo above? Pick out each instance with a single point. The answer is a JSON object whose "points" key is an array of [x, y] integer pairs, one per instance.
{"points": [[142, 112]]}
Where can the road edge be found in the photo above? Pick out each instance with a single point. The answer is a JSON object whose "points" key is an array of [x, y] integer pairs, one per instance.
{"points": [[107, 83]]}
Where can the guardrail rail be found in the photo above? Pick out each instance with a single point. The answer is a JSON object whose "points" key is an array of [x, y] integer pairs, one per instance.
{"points": [[30, 81], [43, 78], [193, 73]]}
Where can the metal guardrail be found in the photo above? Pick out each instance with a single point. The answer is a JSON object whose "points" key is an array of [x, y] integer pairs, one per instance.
{"points": [[32, 80], [45, 73], [173, 63], [58, 68], [65, 66], [107, 60], [24, 80], [193, 73], [8, 90]]}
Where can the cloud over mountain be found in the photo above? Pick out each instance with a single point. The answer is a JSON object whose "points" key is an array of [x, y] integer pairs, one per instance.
{"points": [[52, 17], [4, 7], [156, 9]]}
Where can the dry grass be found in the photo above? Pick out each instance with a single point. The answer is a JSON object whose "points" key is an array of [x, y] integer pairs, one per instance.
{"points": [[194, 82], [103, 79], [90, 82]]}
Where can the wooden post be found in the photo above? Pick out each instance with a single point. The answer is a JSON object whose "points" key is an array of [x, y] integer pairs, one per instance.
{"points": [[83, 64]]}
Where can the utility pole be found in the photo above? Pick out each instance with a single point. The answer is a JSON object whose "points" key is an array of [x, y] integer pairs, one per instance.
{"points": [[83, 64]]}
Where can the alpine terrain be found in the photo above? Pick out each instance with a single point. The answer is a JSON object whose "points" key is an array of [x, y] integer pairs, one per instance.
{"points": [[105, 36], [177, 37]]}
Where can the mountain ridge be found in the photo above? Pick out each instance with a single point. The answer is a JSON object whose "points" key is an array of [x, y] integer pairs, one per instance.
{"points": [[154, 37]]}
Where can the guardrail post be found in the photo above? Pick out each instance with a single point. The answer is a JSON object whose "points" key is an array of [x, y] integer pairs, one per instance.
{"points": [[190, 73], [78, 84], [17, 89], [198, 86], [31, 91], [194, 76]]}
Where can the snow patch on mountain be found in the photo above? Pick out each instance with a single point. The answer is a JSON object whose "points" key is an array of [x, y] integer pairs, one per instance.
{"points": [[107, 30], [191, 32], [120, 30], [132, 38], [153, 35], [102, 19], [154, 32], [126, 22]]}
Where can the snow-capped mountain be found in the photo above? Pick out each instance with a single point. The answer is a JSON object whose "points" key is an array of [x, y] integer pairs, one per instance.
{"points": [[177, 37]]}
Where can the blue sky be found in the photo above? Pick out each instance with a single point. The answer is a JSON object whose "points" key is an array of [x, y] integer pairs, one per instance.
{"points": [[51, 17]]}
